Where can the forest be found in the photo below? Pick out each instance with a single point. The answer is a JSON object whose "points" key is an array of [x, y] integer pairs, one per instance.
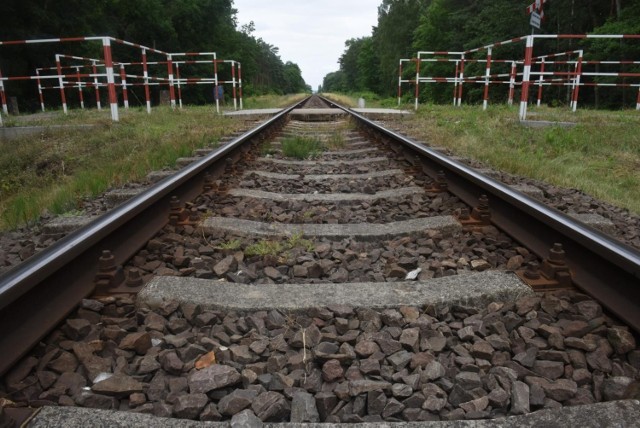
{"points": [[370, 64], [168, 25]]}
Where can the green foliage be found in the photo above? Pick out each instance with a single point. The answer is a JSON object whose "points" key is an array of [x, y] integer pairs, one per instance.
{"points": [[172, 26], [584, 157], [55, 170], [301, 147], [407, 26], [268, 247]]}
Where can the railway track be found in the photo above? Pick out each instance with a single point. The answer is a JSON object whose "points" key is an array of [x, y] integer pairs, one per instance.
{"points": [[368, 281]]}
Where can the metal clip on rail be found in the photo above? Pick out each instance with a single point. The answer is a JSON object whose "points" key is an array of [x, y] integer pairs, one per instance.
{"points": [[553, 274], [181, 216], [480, 216], [109, 275]]}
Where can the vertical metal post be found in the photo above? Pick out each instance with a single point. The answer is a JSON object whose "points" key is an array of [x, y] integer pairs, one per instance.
{"points": [[215, 80], [80, 96], [240, 84], [233, 82], [417, 93], [576, 89], [179, 87], [96, 85], [461, 83], [540, 81], [63, 98], [526, 75], [399, 83], [3, 99], [487, 73], [123, 82], [638, 100], [145, 75], [40, 94], [455, 82], [512, 82], [172, 94], [111, 84]]}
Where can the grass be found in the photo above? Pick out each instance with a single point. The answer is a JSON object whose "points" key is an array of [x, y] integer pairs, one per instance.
{"points": [[53, 171], [301, 147], [600, 155], [267, 247]]}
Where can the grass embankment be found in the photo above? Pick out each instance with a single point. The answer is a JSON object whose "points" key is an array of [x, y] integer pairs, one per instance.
{"points": [[600, 155], [55, 170]]}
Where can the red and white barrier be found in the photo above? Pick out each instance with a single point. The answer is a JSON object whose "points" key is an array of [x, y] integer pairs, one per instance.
{"points": [[528, 76]]}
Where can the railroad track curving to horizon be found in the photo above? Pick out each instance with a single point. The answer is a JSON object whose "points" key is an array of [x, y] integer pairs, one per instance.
{"points": [[370, 279]]}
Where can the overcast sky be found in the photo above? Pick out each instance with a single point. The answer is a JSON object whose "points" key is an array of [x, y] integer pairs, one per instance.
{"points": [[310, 33]]}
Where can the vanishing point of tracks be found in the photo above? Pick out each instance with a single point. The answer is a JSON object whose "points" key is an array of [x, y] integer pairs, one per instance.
{"points": [[370, 282]]}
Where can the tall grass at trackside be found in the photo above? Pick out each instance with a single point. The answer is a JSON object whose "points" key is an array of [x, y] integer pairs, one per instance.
{"points": [[301, 147], [600, 155], [52, 172]]}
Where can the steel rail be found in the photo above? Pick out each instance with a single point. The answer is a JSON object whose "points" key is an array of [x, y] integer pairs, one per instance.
{"points": [[37, 294], [601, 266]]}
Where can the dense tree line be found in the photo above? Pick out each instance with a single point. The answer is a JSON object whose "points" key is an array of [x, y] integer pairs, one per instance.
{"points": [[370, 64], [168, 25]]}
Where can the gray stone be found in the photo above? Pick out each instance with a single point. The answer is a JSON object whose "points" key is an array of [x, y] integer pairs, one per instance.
{"points": [[519, 398], [615, 387], [271, 407], [246, 419], [118, 385], [213, 377], [303, 408], [236, 401], [189, 406], [621, 339], [357, 387], [559, 390]]}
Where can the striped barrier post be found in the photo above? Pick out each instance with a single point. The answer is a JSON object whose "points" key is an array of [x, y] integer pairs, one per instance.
{"points": [[96, 84], [400, 83], [485, 100], [417, 91], [111, 85], [172, 94], [540, 81], [455, 82], [63, 98], [233, 79], [461, 80], [40, 94], [123, 83], [145, 73], [80, 96], [215, 77], [512, 83], [240, 84], [576, 89], [526, 75], [178, 84], [3, 99]]}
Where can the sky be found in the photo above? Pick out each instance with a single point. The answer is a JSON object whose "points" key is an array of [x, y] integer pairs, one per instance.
{"points": [[310, 33]]}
